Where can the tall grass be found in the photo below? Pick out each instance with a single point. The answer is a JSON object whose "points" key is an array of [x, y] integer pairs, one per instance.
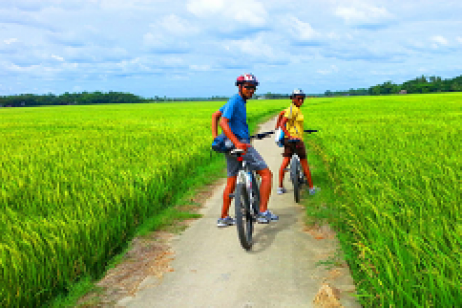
{"points": [[396, 165], [76, 181]]}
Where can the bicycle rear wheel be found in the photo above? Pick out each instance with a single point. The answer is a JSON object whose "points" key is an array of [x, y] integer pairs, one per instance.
{"points": [[295, 177], [244, 221]]}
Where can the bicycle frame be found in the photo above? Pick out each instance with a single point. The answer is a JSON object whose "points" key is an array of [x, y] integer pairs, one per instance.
{"points": [[247, 197], [247, 177]]}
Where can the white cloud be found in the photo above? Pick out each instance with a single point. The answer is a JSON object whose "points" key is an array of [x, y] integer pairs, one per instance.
{"points": [[202, 68], [11, 40], [204, 8], [301, 30], [176, 25], [332, 69], [172, 60], [364, 14], [245, 12], [170, 35], [158, 42], [113, 40], [253, 47], [57, 58], [439, 40]]}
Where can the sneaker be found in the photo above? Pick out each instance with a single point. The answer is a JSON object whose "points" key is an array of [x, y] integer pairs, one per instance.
{"points": [[314, 190], [263, 219], [224, 222], [271, 215], [281, 190], [266, 217]]}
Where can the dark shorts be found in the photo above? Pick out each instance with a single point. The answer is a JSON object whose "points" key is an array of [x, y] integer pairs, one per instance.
{"points": [[294, 147], [252, 158]]}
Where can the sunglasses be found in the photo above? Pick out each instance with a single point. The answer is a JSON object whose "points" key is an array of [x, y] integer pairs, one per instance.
{"points": [[250, 87]]}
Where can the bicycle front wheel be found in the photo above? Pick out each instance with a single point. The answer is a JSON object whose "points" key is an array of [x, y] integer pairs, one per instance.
{"points": [[295, 176], [244, 221], [256, 194]]}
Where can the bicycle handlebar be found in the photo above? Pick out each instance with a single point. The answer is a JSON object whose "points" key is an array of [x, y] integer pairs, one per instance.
{"points": [[262, 135], [266, 134]]}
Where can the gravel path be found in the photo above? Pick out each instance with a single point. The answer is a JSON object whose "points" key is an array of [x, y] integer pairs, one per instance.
{"points": [[210, 268]]}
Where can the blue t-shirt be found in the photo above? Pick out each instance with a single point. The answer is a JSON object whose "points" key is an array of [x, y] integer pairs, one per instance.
{"points": [[234, 110]]}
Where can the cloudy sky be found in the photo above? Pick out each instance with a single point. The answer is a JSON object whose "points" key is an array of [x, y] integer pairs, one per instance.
{"points": [[198, 47]]}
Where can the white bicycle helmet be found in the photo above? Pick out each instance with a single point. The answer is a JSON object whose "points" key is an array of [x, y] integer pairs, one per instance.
{"points": [[297, 92]]}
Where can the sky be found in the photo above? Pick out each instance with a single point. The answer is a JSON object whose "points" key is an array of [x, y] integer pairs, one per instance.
{"points": [[197, 48]]}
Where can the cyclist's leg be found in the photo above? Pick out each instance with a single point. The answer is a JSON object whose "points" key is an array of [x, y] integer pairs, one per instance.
{"points": [[232, 166], [287, 154], [265, 188], [285, 163], [301, 151], [229, 189], [256, 162], [306, 170]]}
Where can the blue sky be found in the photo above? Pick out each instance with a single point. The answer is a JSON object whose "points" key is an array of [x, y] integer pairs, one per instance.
{"points": [[197, 48]]}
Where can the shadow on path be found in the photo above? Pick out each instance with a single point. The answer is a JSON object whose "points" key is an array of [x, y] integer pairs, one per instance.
{"points": [[264, 235]]}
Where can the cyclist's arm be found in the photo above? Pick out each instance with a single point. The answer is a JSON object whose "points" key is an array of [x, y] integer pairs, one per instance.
{"points": [[284, 128], [224, 124], [215, 118], [281, 114]]}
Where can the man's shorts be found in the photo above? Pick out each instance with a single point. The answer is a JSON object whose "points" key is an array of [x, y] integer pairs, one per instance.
{"points": [[294, 147], [252, 158]]}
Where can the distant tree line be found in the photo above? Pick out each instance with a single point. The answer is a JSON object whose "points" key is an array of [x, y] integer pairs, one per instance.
{"points": [[418, 85], [84, 98]]}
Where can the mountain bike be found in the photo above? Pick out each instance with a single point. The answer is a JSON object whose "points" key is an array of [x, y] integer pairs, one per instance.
{"points": [[246, 196], [297, 176]]}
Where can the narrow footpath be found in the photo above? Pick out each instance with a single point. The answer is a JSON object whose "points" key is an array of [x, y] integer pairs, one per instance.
{"points": [[210, 268]]}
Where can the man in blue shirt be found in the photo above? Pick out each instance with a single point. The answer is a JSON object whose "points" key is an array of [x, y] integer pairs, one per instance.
{"points": [[234, 125]]}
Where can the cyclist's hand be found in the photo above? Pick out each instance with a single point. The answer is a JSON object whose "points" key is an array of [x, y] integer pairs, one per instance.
{"points": [[243, 146]]}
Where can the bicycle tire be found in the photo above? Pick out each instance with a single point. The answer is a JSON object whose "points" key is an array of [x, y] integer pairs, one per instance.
{"points": [[244, 222], [295, 176], [256, 194]]}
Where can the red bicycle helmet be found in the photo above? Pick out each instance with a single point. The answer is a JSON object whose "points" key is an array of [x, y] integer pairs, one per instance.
{"points": [[247, 78]]}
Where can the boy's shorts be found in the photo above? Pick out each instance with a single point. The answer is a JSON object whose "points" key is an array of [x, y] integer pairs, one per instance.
{"points": [[252, 158], [294, 147]]}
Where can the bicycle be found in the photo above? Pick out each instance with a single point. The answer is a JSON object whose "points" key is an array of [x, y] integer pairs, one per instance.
{"points": [[246, 196], [297, 176]]}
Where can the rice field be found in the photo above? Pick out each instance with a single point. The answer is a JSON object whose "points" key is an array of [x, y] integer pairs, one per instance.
{"points": [[76, 181], [396, 166]]}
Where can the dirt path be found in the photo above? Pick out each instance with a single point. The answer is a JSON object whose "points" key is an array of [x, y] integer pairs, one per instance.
{"points": [[209, 268]]}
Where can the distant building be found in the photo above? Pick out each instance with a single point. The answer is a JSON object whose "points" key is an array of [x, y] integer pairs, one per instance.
{"points": [[403, 92]]}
